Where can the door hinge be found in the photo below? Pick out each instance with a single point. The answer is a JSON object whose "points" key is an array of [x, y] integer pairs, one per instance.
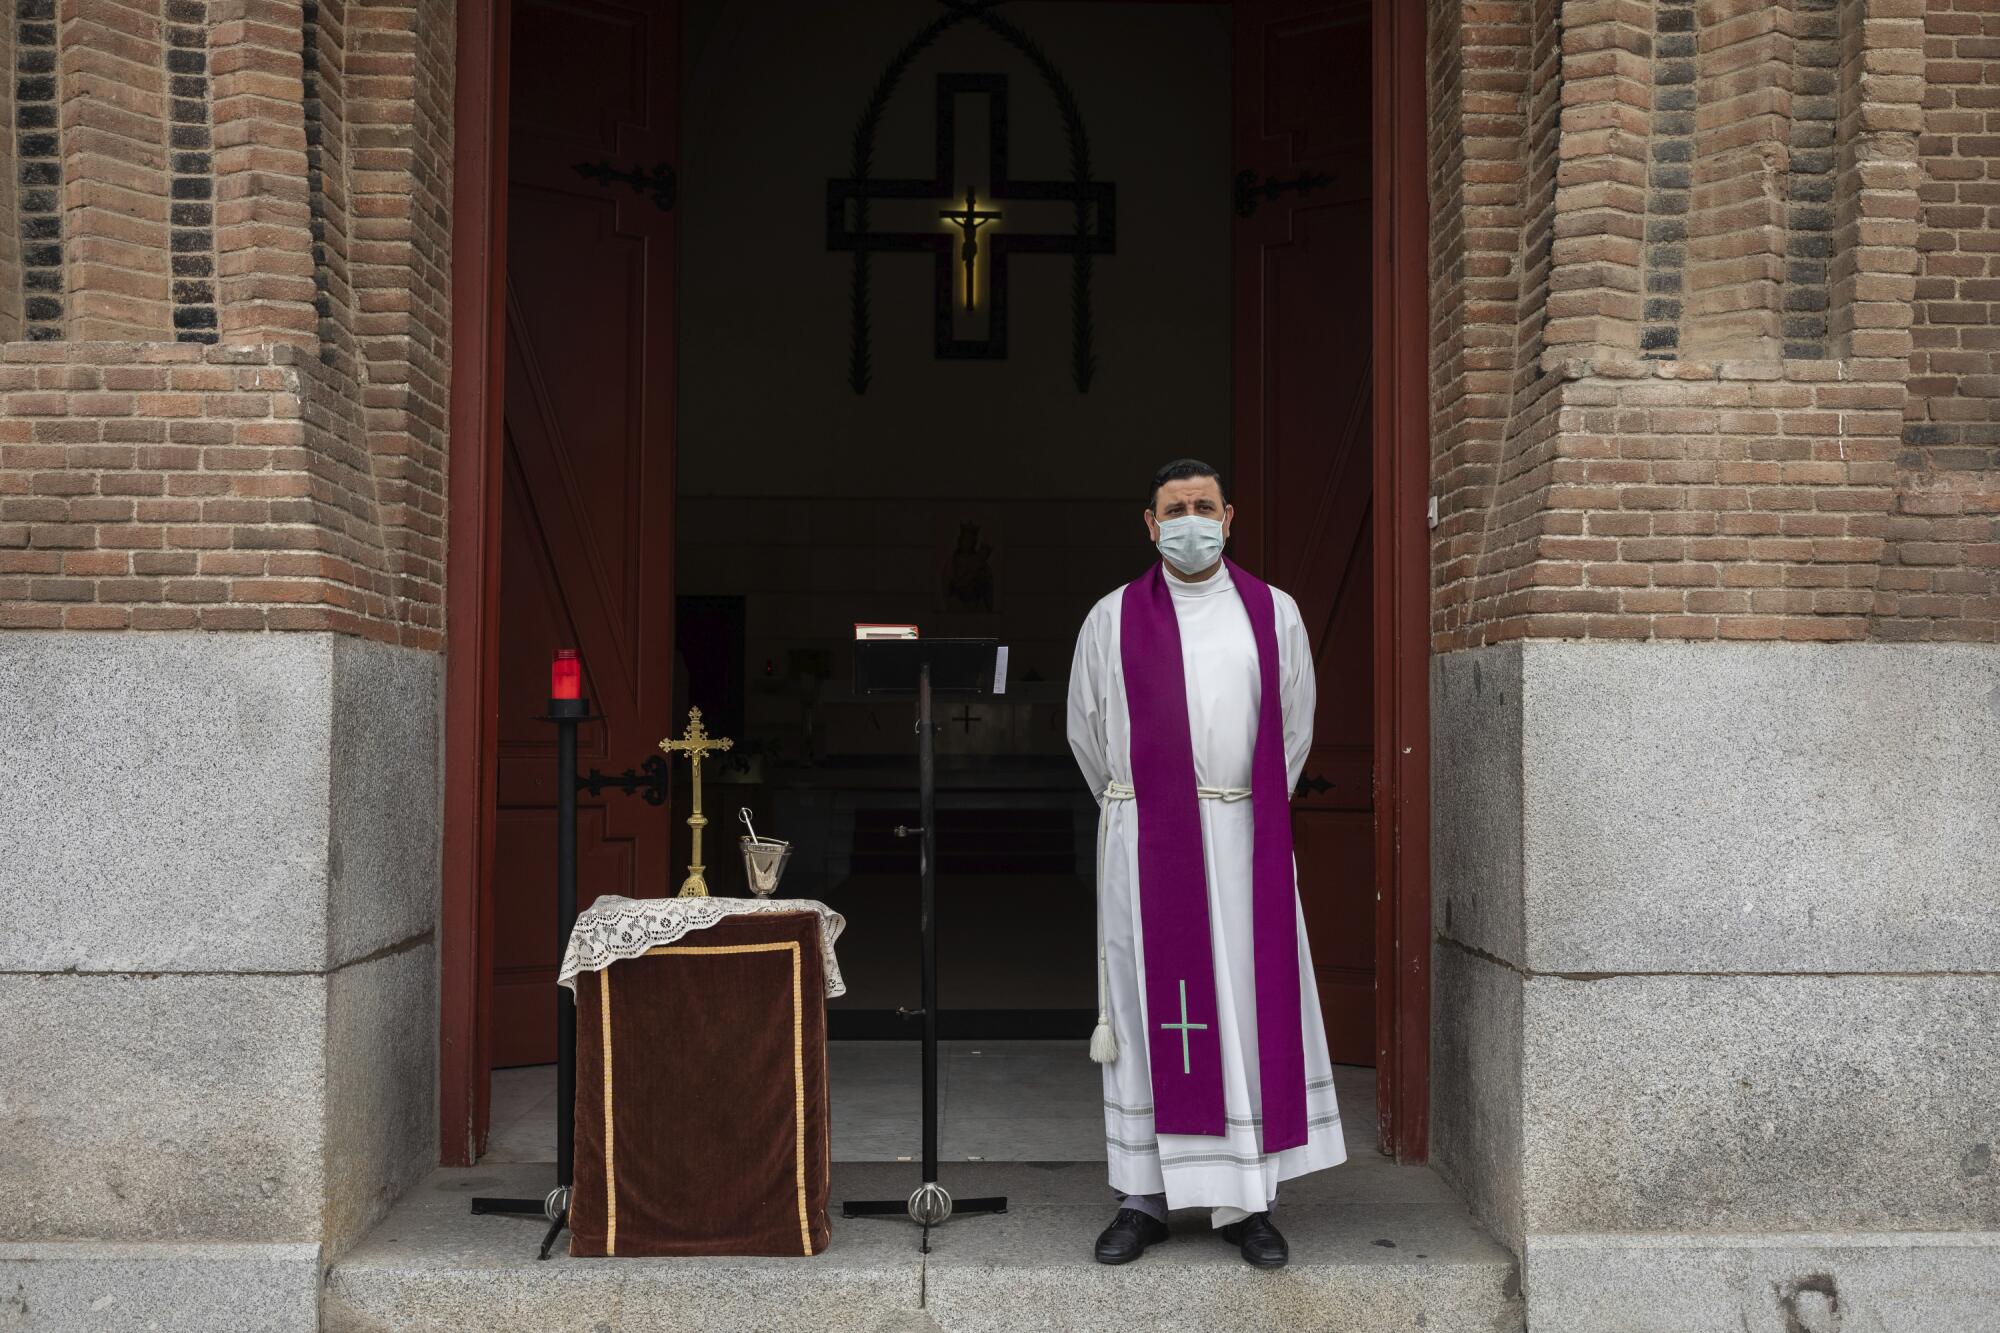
{"points": [[1249, 193], [659, 182]]}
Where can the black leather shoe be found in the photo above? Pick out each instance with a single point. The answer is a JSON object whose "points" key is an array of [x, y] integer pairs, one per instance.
{"points": [[1258, 1239], [1128, 1236]]}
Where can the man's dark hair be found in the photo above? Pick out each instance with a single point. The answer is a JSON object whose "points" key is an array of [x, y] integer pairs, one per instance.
{"points": [[1180, 470]]}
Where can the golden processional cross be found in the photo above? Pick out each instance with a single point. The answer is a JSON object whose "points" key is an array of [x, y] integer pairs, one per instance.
{"points": [[694, 743]]}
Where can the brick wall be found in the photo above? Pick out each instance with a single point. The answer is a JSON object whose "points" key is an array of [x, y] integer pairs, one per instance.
{"points": [[1955, 361], [1705, 434], [1741, 103], [1494, 107], [11, 296], [233, 415], [1947, 517], [38, 200], [263, 214], [1600, 186], [113, 67], [1741, 393], [177, 486], [191, 173]]}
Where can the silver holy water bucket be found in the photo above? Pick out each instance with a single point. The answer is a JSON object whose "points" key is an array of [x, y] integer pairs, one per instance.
{"points": [[764, 862]]}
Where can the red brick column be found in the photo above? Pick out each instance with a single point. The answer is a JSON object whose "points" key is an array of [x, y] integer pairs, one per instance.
{"points": [[1737, 221], [114, 114], [263, 223], [1600, 199]]}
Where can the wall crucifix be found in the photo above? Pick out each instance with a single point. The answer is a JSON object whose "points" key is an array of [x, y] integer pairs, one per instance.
{"points": [[970, 245], [969, 220]]}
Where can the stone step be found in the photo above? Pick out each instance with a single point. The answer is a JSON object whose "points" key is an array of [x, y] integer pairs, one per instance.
{"points": [[1374, 1247]]}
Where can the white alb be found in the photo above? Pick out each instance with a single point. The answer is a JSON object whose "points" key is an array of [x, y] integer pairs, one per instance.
{"points": [[1219, 657]]}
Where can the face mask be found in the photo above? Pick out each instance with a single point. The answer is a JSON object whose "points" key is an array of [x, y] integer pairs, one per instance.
{"points": [[1190, 544]]}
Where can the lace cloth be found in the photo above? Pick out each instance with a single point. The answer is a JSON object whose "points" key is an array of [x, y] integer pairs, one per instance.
{"points": [[613, 929]]}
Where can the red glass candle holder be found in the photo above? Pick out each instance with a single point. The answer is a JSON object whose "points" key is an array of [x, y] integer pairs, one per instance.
{"points": [[565, 675]]}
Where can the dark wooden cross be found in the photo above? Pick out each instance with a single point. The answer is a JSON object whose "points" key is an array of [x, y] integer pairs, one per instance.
{"points": [[966, 717], [950, 241]]}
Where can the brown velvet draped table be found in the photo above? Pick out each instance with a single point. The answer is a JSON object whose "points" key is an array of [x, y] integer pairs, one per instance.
{"points": [[701, 1095]]}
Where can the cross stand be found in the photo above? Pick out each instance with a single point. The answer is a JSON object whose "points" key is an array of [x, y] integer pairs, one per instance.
{"points": [[904, 666], [694, 743], [566, 714]]}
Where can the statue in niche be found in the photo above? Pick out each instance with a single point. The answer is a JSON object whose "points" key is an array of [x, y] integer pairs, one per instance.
{"points": [[968, 575]]}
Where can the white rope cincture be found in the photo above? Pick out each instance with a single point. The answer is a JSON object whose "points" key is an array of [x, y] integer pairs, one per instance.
{"points": [[1103, 1043], [1124, 791]]}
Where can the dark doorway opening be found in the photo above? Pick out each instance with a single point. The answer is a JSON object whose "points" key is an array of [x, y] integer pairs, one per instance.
{"points": [[576, 514], [965, 492]]}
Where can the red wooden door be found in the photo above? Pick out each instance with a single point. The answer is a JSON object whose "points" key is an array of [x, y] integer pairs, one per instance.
{"points": [[1303, 457], [587, 492]]}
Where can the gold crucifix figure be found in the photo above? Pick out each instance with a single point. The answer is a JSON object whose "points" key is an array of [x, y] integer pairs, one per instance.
{"points": [[969, 220], [694, 743]]}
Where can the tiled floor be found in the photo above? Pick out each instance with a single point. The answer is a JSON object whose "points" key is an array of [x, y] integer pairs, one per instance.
{"points": [[1003, 1101]]}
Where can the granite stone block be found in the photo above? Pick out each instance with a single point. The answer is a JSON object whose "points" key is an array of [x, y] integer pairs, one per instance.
{"points": [[1774, 1283], [215, 802], [1476, 799], [103, 1287], [381, 1086], [1476, 1085], [1760, 807], [385, 797], [1031, 1269], [162, 1106], [1760, 1103], [433, 1267], [1374, 1246], [167, 802]]}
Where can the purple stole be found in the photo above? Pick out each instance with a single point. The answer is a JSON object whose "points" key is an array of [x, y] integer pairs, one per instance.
{"points": [[1184, 1045]]}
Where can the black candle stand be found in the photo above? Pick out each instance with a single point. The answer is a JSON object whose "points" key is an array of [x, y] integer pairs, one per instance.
{"points": [[566, 714]]}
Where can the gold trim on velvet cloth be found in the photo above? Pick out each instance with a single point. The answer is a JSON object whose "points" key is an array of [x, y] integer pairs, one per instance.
{"points": [[798, 1079], [610, 1144]]}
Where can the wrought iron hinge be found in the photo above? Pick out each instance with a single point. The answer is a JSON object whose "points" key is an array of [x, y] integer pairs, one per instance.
{"points": [[650, 782], [1249, 193], [660, 182]]}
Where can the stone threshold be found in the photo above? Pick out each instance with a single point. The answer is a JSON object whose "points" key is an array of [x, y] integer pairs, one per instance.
{"points": [[1374, 1246]]}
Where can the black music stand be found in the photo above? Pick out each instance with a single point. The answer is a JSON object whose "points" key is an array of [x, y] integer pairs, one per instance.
{"points": [[924, 667]]}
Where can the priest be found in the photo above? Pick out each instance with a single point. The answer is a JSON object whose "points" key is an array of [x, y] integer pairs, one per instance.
{"points": [[1190, 713]]}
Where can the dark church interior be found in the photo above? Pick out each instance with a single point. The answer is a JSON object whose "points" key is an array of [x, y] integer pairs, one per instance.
{"points": [[930, 294], [976, 495]]}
